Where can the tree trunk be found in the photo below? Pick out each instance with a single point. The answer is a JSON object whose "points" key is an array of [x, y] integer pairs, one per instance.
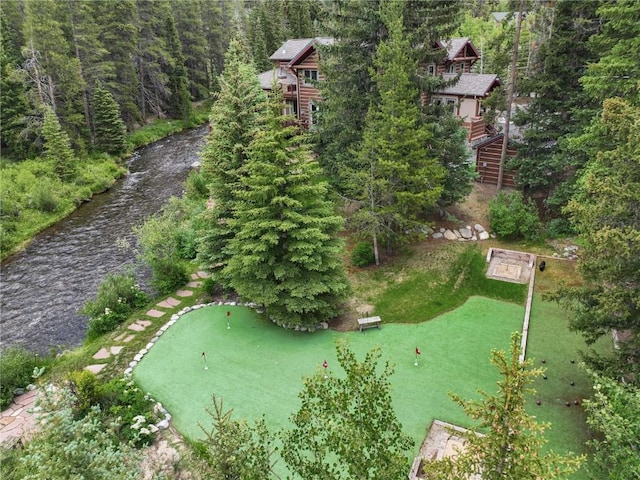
{"points": [[510, 92], [375, 249]]}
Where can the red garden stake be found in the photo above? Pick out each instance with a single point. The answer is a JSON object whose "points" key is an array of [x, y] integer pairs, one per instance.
{"points": [[228, 315], [325, 365], [417, 353]]}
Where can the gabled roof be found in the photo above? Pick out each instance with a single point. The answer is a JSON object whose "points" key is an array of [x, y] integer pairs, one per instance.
{"points": [[454, 46], [471, 84], [292, 48], [304, 53], [267, 78]]}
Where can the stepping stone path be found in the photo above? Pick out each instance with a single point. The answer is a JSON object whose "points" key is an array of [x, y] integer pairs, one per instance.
{"points": [[464, 234], [17, 420]]}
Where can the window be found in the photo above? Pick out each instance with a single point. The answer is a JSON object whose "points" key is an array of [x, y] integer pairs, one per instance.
{"points": [[281, 72], [313, 114], [310, 77], [289, 107], [451, 104], [431, 69], [451, 68]]}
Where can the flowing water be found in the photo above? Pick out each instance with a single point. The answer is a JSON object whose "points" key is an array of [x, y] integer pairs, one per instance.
{"points": [[44, 287]]}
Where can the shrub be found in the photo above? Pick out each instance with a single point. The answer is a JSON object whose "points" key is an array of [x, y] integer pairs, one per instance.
{"points": [[16, 371], [362, 254], [559, 227], [511, 216], [118, 295], [167, 275], [197, 185], [123, 402], [43, 198]]}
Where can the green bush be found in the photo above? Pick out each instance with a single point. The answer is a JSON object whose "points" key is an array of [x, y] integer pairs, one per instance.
{"points": [[559, 227], [118, 295], [16, 371], [511, 216], [197, 185], [121, 400], [167, 275], [362, 254]]}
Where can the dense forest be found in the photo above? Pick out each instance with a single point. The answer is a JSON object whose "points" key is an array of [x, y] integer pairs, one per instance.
{"points": [[78, 78]]}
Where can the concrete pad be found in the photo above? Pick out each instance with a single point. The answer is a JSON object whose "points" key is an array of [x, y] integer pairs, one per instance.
{"points": [[194, 284], [194, 276], [129, 338], [203, 274], [115, 350], [120, 337], [184, 293], [136, 327], [96, 368], [144, 323], [155, 313], [102, 354]]}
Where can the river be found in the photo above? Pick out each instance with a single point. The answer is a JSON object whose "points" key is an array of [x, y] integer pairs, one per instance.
{"points": [[43, 288]]}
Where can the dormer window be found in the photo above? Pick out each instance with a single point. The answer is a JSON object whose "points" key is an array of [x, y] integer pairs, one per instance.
{"points": [[310, 77], [281, 72]]}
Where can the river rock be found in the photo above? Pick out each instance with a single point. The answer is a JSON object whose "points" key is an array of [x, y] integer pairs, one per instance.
{"points": [[484, 235], [449, 235], [437, 235], [478, 227], [466, 233]]}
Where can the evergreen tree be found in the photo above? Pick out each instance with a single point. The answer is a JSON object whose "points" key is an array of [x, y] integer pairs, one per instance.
{"points": [[152, 57], [401, 178], [606, 213], [57, 146], [188, 16], [13, 97], [109, 129], [348, 88], [118, 31], [179, 98], [560, 106], [217, 16], [236, 114], [285, 254], [507, 442], [346, 427], [298, 18], [617, 71], [44, 33], [266, 31]]}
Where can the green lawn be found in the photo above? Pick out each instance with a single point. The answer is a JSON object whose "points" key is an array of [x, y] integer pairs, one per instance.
{"points": [[258, 368]]}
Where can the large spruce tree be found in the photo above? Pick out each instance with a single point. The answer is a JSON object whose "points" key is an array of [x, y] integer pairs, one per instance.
{"points": [[401, 180], [560, 106], [57, 146], [178, 82], [236, 115], [109, 130], [285, 253]]}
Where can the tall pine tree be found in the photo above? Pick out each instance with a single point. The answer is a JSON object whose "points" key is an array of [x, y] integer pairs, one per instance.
{"points": [[179, 97], [109, 129], [401, 178], [57, 146], [235, 116], [285, 254]]}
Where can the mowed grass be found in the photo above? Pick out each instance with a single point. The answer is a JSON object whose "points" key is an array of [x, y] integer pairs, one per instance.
{"points": [[423, 289], [258, 368], [552, 346]]}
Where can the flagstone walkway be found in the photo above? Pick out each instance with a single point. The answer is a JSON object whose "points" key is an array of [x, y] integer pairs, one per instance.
{"points": [[17, 421]]}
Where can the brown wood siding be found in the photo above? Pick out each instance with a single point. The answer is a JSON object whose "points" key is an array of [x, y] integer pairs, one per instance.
{"points": [[475, 126], [307, 93], [488, 164]]}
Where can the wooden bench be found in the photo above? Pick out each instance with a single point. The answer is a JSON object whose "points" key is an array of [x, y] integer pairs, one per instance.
{"points": [[369, 322]]}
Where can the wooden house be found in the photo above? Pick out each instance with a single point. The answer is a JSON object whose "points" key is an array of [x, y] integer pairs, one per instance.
{"points": [[296, 71], [465, 95], [487, 157]]}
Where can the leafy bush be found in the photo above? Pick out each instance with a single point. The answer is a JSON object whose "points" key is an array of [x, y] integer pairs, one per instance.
{"points": [[197, 185], [44, 199], [118, 295], [511, 216], [167, 275], [362, 255], [16, 368], [559, 227], [130, 408]]}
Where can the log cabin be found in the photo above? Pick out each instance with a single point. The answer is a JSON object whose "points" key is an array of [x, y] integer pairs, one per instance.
{"points": [[297, 72]]}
